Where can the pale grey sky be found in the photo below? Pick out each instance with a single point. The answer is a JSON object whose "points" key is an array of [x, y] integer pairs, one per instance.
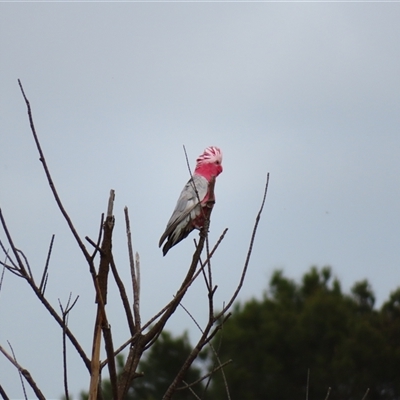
{"points": [[309, 92]]}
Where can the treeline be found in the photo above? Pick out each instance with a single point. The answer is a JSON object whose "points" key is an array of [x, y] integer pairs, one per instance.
{"points": [[301, 340]]}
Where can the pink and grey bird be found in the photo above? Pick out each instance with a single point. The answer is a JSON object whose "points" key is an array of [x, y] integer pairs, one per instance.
{"points": [[188, 213]]}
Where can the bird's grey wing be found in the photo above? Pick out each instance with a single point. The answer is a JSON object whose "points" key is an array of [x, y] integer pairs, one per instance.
{"points": [[186, 204]]}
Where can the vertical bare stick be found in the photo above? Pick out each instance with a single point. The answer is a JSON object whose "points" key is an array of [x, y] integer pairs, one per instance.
{"points": [[135, 284], [65, 313], [65, 318], [111, 203], [124, 297], [308, 383], [137, 269], [101, 324], [328, 393]]}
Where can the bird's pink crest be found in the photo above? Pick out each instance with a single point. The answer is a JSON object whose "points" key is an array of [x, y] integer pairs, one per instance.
{"points": [[210, 155]]}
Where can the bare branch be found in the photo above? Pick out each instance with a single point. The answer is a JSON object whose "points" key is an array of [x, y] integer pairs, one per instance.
{"points": [[215, 352], [246, 264], [135, 282], [205, 376], [3, 393], [25, 373], [14, 266], [328, 393], [2, 272], [42, 286], [49, 178], [20, 271], [19, 265], [19, 371], [26, 263], [101, 325], [365, 395], [97, 247], [65, 313], [124, 296], [151, 320], [11, 269], [137, 269]]}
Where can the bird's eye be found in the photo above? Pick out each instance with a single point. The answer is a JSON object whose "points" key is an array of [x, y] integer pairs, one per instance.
{"points": [[217, 162]]}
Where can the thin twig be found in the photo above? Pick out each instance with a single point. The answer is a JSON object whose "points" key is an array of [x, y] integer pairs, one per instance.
{"points": [[12, 268], [3, 393], [97, 246], [50, 180], [123, 295], [23, 274], [132, 339], [135, 283], [246, 264], [191, 390], [42, 286], [308, 383], [365, 395], [26, 263], [19, 265], [2, 272], [65, 313], [328, 393], [216, 351], [204, 339], [19, 371], [220, 366], [137, 269], [205, 376]]}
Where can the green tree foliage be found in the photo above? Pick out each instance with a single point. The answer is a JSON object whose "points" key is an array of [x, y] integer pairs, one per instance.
{"points": [[159, 367], [344, 343]]}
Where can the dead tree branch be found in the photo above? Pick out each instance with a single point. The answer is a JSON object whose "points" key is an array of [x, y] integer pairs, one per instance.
{"points": [[142, 337], [246, 264], [101, 325], [43, 281], [3, 393], [135, 277], [49, 178], [19, 269], [25, 373], [65, 312]]}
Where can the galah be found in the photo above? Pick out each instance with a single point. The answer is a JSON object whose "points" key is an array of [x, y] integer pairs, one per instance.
{"points": [[188, 213]]}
